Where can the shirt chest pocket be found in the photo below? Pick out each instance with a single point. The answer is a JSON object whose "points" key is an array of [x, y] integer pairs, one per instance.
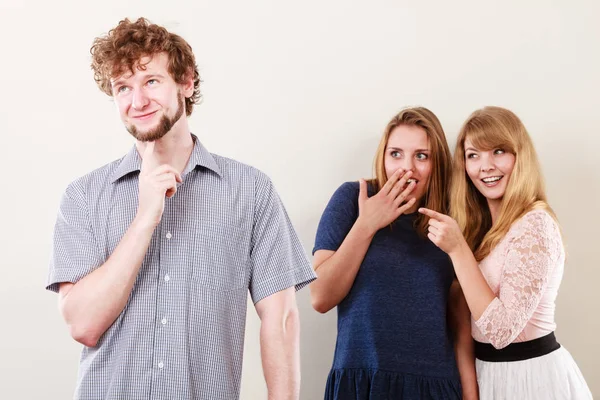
{"points": [[220, 257]]}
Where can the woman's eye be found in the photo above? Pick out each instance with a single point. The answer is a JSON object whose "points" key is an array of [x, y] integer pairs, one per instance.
{"points": [[152, 81], [499, 151], [395, 153], [422, 156], [471, 155]]}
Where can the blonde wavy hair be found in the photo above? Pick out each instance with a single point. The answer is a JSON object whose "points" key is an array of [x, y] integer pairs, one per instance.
{"points": [[437, 193], [492, 128]]}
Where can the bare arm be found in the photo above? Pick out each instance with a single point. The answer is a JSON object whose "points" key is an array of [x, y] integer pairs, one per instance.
{"points": [[90, 306], [460, 324], [477, 292], [280, 344], [445, 233], [336, 270]]}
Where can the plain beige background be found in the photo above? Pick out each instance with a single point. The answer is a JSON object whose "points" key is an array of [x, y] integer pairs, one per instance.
{"points": [[301, 90]]}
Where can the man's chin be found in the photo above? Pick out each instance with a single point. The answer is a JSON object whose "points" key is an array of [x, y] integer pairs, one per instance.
{"points": [[146, 135]]}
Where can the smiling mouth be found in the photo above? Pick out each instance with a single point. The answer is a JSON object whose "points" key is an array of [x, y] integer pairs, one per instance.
{"points": [[411, 180], [145, 116], [492, 180]]}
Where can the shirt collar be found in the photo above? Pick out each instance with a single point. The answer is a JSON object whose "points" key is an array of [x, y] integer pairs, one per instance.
{"points": [[132, 162]]}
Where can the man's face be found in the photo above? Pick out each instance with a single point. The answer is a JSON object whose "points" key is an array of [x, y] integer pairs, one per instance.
{"points": [[149, 101]]}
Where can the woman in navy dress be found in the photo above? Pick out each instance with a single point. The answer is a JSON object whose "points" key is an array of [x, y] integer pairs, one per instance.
{"points": [[403, 324]]}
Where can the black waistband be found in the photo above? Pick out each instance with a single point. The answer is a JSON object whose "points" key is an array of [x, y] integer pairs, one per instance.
{"points": [[517, 351]]}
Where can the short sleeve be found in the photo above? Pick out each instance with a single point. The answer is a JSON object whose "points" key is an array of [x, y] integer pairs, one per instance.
{"points": [[337, 219], [278, 260], [75, 252]]}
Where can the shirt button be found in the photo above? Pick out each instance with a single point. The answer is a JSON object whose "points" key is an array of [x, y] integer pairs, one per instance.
{"points": [[160, 365], [167, 278], [169, 236], [163, 321]]}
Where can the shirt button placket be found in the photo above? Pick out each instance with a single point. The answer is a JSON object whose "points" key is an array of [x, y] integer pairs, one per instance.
{"points": [[169, 235], [165, 250]]}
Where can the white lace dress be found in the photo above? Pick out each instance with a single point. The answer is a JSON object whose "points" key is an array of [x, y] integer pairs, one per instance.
{"points": [[525, 270]]}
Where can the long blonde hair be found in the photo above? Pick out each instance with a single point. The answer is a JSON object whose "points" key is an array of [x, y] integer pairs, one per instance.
{"points": [[490, 128], [437, 193]]}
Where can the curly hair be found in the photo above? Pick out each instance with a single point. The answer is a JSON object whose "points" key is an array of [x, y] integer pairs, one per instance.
{"points": [[125, 45]]}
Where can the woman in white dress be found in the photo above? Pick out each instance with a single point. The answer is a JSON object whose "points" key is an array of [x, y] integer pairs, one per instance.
{"points": [[507, 251]]}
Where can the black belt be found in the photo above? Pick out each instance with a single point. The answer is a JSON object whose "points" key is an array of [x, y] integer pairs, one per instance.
{"points": [[517, 351]]}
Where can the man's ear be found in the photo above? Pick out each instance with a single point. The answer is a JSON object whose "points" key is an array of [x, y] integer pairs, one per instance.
{"points": [[188, 85]]}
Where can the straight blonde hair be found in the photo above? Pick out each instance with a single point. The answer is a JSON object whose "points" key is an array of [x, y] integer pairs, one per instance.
{"points": [[495, 128], [437, 193]]}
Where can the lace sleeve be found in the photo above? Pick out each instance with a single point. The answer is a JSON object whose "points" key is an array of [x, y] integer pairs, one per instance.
{"points": [[534, 248]]}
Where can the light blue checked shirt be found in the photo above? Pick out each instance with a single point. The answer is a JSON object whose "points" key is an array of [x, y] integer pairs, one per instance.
{"points": [[181, 334]]}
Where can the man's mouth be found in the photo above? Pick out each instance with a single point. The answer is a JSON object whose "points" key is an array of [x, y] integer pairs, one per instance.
{"points": [[144, 116]]}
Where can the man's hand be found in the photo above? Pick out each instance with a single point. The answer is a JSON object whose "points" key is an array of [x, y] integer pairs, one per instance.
{"points": [[156, 183]]}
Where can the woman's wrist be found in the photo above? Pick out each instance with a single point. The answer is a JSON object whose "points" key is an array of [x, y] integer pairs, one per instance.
{"points": [[461, 251], [364, 229]]}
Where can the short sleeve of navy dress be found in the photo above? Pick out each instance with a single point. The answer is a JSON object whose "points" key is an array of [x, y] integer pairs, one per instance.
{"points": [[393, 340]]}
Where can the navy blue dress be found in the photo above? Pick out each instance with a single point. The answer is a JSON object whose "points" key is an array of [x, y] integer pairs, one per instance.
{"points": [[393, 339]]}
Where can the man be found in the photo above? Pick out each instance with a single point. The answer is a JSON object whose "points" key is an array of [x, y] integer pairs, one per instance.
{"points": [[154, 253]]}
